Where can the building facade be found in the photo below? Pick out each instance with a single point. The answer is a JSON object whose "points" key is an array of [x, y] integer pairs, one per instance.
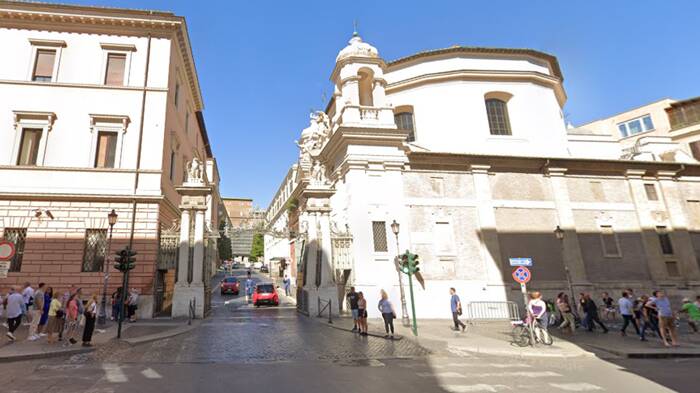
{"points": [[467, 149], [100, 109]]}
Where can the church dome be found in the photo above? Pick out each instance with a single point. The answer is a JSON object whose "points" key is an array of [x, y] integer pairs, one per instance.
{"points": [[357, 48]]}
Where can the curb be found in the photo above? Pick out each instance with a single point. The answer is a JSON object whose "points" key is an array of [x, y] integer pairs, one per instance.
{"points": [[44, 355], [521, 354], [378, 335], [669, 354], [167, 334]]}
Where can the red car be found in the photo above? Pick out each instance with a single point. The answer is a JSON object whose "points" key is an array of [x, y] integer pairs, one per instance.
{"points": [[230, 285], [265, 294]]}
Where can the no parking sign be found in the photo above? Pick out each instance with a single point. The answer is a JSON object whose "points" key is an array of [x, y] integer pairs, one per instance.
{"points": [[522, 275]]}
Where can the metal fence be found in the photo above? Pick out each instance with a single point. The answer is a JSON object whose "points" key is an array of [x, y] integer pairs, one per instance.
{"points": [[492, 311]]}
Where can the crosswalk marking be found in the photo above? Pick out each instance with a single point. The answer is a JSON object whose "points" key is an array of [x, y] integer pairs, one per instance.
{"points": [[481, 387], [491, 365], [151, 374], [114, 373], [576, 387], [446, 374]]}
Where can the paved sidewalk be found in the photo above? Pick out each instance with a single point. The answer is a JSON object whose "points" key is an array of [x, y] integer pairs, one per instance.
{"points": [[132, 333]]}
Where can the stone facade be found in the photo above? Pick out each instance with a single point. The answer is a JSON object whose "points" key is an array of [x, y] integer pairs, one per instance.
{"points": [[477, 167]]}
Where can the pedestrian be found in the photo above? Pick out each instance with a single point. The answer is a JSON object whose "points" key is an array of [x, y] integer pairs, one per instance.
{"points": [[609, 310], [697, 301], [117, 304], [36, 310], [352, 299], [649, 318], [48, 295], [71, 308], [456, 308], [13, 311], [567, 316], [362, 313], [132, 304], [90, 316], [582, 310], [287, 285], [591, 310], [666, 317], [693, 312], [249, 286], [387, 310], [28, 297], [627, 312], [537, 308], [55, 316]]}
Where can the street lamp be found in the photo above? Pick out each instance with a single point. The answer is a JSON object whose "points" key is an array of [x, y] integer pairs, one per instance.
{"points": [[404, 312], [559, 233], [112, 219]]}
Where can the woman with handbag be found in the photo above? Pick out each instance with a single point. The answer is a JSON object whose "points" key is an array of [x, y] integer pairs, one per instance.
{"points": [[388, 314], [456, 307]]}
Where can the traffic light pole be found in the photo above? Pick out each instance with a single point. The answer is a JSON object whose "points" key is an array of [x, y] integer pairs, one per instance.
{"points": [[413, 303], [125, 286]]}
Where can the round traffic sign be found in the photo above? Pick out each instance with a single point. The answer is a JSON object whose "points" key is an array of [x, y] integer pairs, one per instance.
{"points": [[7, 250], [522, 275]]}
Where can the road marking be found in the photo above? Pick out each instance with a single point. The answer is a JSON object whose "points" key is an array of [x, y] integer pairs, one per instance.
{"points": [[522, 374], [151, 374], [492, 365], [475, 388], [114, 373], [215, 288], [447, 374], [576, 387]]}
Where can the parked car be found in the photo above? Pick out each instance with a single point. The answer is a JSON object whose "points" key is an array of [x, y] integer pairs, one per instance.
{"points": [[230, 285], [264, 269], [265, 294], [236, 265]]}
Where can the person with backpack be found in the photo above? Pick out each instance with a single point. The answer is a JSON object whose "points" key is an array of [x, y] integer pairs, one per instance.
{"points": [[456, 307], [36, 310]]}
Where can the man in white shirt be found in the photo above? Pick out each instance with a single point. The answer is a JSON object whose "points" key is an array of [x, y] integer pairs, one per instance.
{"points": [[15, 302], [627, 312], [28, 297]]}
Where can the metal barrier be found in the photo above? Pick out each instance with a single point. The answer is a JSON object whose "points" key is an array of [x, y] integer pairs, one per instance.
{"points": [[193, 308], [327, 305], [493, 311]]}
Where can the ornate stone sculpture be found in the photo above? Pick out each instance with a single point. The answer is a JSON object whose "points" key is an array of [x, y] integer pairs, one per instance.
{"points": [[318, 175], [195, 173], [314, 136]]}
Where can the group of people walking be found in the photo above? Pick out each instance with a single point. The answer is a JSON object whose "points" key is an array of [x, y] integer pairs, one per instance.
{"points": [[67, 316], [644, 313], [358, 308]]}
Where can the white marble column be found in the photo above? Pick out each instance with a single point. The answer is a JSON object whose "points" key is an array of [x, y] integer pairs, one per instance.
{"points": [[198, 255], [184, 252]]}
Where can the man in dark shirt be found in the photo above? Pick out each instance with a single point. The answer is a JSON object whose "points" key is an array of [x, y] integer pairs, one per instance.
{"points": [[354, 309], [591, 310]]}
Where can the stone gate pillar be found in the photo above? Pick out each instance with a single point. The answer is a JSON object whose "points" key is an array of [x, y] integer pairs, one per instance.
{"points": [[194, 192]]}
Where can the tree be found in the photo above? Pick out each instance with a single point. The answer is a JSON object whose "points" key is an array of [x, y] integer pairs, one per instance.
{"points": [[224, 243], [258, 248]]}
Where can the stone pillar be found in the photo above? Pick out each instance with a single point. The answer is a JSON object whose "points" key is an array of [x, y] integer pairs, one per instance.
{"points": [[184, 251], [491, 249], [680, 238], [572, 257], [198, 253]]}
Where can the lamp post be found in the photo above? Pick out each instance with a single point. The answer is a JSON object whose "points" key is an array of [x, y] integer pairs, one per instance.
{"points": [[404, 312], [559, 233], [102, 318]]}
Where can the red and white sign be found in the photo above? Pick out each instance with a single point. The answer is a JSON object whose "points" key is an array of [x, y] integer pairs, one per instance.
{"points": [[7, 250], [522, 275]]}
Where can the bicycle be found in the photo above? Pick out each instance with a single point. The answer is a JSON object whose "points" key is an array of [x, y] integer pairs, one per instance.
{"points": [[521, 333]]}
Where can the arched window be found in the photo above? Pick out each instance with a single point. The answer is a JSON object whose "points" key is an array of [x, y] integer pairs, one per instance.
{"points": [[497, 111], [403, 117], [365, 87]]}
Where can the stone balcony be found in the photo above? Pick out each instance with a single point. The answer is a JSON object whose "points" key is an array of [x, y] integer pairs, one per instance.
{"points": [[366, 117]]}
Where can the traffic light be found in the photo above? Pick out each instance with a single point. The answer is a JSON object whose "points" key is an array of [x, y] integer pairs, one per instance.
{"points": [[414, 264], [404, 263], [125, 259]]}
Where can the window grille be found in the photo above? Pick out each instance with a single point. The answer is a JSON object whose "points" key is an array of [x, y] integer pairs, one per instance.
{"points": [[95, 250], [379, 236], [497, 112], [404, 121], [18, 237]]}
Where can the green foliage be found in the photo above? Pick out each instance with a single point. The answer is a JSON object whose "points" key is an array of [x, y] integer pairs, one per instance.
{"points": [[224, 243], [258, 248]]}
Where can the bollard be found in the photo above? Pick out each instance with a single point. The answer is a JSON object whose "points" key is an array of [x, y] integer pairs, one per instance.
{"points": [[330, 310]]}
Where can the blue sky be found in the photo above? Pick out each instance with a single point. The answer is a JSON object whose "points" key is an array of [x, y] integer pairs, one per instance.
{"points": [[264, 64]]}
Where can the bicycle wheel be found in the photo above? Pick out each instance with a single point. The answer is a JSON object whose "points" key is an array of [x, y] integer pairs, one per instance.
{"points": [[521, 337], [543, 336]]}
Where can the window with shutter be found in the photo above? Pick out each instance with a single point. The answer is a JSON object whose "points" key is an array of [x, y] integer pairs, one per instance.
{"points": [[29, 146], [106, 149], [43, 68], [116, 64]]}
